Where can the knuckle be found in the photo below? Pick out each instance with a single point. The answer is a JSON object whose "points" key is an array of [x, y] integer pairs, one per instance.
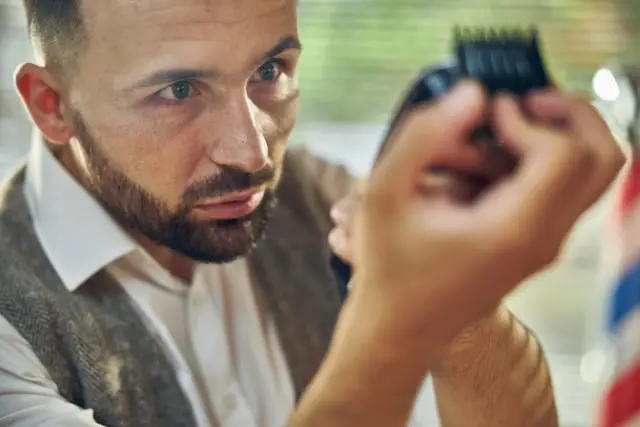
{"points": [[582, 105], [577, 154], [609, 157], [586, 106], [617, 159], [514, 238], [611, 166], [546, 255], [523, 245], [586, 157], [376, 196]]}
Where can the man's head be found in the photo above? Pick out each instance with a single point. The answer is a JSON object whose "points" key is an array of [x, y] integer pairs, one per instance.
{"points": [[175, 114]]}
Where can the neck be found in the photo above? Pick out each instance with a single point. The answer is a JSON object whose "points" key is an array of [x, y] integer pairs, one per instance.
{"points": [[175, 263]]}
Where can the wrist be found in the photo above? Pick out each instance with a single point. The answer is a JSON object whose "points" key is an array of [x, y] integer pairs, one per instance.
{"points": [[370, 330], [369, 376], [386, 316], [474, 343], [430, 329]]}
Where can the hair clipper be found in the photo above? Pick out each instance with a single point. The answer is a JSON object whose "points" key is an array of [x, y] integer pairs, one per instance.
{"points": [[504, 60]]}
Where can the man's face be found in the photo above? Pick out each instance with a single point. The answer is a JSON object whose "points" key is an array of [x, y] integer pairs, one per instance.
{"points": [[182, 111]]}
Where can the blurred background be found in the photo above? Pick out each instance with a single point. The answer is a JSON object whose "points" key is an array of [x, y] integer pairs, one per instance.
{"points": [[359, 57]]}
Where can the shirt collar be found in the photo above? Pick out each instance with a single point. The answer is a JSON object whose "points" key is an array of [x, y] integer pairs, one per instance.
{"points": [[75, 231]]}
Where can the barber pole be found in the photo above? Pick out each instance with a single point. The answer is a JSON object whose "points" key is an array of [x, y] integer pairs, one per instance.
{"points": [[621, 401]]}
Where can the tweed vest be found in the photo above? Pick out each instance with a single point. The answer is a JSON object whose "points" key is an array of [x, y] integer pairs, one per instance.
{"points": [[97, 349]]}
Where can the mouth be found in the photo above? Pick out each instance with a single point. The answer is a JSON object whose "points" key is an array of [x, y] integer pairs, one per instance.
{"points": [[232, 206]]}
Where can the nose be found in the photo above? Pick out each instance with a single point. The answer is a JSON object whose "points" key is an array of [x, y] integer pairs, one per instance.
{"points": [[239, 142]]}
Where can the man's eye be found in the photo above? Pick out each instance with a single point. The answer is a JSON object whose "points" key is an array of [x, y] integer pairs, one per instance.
{"points": [[270, 71], [177, 91]]}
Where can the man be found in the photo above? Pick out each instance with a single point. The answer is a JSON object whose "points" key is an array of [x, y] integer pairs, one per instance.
{"points": [[149, 278]]}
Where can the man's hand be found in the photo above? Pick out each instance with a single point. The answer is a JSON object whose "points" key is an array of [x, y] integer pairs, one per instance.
{"points": [[429, 263], [495, 354]]}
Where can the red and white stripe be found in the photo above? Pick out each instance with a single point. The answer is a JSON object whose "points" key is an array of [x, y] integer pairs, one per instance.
{"points": [[621, 405]]}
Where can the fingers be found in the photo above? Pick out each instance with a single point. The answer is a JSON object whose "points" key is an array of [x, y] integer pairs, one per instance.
{"points": [[343, 214], [567, 155], [339, 241], [428, 136], [339, 238], [340, 212], [519, 133], [586, 124], [451, 185], [343, 211], [549, 107], [549, 161]]}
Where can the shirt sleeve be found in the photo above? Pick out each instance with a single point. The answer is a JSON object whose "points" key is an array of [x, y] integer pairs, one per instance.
{"points": [[28, 396]]}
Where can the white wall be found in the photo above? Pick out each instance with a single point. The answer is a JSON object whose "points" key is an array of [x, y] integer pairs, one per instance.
{"points": [[15, 128]]}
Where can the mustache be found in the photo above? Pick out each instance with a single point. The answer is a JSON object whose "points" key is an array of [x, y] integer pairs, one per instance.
{"points": [[228, 180]]}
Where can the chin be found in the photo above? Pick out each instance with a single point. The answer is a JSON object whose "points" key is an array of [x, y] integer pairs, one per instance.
{"points": [[219, 243]]}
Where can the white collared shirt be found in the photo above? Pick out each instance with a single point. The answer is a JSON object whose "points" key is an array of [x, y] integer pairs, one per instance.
{"points": [[246, 384]]}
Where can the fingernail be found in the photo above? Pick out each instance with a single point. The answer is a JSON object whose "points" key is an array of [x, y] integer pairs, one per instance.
{"points": [[333, 239], [338, 213], [337, 240], [335, 211]]}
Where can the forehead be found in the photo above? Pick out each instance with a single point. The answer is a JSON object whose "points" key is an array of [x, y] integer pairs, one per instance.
{"points": [[144, 29], [121, 13]]}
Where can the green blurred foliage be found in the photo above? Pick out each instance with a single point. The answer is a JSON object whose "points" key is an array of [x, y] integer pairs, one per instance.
{"points": [[360, 55]]}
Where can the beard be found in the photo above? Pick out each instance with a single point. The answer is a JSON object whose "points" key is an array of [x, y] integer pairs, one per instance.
{"points": [[139, 212]]}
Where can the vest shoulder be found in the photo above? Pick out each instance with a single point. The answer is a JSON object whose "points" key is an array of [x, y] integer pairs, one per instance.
{"points": [[330, 180]]}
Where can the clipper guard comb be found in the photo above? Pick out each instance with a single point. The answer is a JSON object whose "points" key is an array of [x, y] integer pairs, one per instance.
{"points": [[502, 60], [507, 61]]}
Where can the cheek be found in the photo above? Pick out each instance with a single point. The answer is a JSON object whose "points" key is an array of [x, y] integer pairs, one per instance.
{"points": [[278, 139], [158, 152], [287, 120], [157, 160], [277, 122]]}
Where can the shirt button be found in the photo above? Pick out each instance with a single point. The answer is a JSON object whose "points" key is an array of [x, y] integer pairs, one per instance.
{"points": [[230, 401]]}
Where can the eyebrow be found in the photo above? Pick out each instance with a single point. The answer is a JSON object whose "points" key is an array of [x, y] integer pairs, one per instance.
{"points": [[170, 76], [164, 77], [285, 43]]}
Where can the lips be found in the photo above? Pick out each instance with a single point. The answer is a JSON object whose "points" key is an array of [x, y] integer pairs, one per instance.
{"points": [[232, 206]]}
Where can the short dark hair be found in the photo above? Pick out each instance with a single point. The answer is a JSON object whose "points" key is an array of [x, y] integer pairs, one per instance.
{"points": [[57, 27]]}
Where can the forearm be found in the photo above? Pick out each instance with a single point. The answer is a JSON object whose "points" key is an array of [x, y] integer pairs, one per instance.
{"points": [[495, 376], [366, 380]]}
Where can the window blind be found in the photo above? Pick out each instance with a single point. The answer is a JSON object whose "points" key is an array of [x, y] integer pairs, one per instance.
{"points": [[361, 54]]}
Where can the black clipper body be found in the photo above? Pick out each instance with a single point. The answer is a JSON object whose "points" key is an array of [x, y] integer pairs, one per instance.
{"points": [[501, 60]]}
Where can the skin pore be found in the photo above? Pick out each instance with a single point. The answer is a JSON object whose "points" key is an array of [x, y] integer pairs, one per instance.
{"points": [[166, 113]]}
